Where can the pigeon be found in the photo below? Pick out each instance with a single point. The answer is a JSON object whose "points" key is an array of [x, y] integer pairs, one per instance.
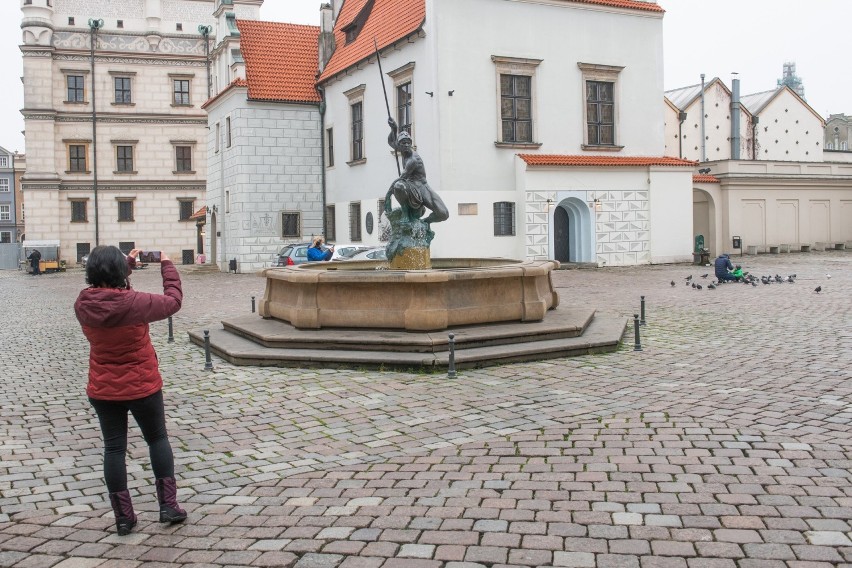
{"points": [[753, 283], [698, 287], [792, 276], [705, 275], [693, 284], [818, 289], [689, 277], [673, 283], [711, 286]]}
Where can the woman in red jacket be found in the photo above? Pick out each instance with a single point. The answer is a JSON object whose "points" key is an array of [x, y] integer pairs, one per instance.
{"points": [[124, 374]]}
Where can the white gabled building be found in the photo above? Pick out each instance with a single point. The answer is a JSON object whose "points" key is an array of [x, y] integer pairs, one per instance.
{"points": [[534, 126]]}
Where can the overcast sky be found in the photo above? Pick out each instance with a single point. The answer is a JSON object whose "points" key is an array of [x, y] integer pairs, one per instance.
{"points": [[715, 37]]}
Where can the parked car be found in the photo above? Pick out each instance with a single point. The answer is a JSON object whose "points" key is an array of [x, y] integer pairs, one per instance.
{"points": [[342, 252], [291, 255], [375, 253]]}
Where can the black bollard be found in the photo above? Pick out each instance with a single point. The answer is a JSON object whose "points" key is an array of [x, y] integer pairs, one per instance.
{"points": [[642, 311], [637, 346], [208, 361], [252, 304], [171, 331], [451, 371]]}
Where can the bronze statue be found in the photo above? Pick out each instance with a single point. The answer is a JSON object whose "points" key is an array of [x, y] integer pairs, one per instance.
{"points": [[410, 189]]}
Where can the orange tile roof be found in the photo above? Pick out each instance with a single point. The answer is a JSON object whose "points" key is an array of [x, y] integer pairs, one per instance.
{"points": [[389, 21], [235, 83], [392, 20], [703, 178], [605, 161], [282, 60], [200, 213]]}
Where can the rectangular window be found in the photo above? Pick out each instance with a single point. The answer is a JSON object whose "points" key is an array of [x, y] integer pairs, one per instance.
{"points": [[4, 161], [228, 132], [126, 246], [5, 212], [291, 224], [78, 212], [516, 108], [330, 224], [124, 158], [5, 237], [358, 131], [186, 209], [600, 113], [82, 250], [181, 91], [384, 228], [355, 222], [468, 209], [4, 185], [76, 90], [183, 158], [403, 107], [504, 219], [122, 91], [77, 158], [329, 140], [218, 135], [125, 211], [227, 201]]}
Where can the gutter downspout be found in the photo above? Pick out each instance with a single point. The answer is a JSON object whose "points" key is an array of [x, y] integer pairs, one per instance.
{"points": [[755, 120], [735, 119], [94, 26], [681, 115], [322, 108], [703, 135]]}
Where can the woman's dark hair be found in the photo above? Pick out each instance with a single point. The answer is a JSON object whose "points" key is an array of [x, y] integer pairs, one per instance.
{"points": [[107, 268]]}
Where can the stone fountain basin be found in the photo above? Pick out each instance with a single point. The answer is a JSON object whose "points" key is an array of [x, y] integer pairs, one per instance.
{"points": [[365, 294]]}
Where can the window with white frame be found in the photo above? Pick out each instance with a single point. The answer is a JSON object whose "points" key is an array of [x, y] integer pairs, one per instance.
{"points": [[4, 161], [5, 212], [600, 108], [516, 88], [356, 124], [4, 185], [218, 136], [403, 78], [355, 221]]}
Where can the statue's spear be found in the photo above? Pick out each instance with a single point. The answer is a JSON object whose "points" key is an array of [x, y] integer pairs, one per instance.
{"points": [[387, 104]]}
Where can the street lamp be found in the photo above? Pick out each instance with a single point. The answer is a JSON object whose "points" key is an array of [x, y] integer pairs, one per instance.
{"points": [[94, 26]]}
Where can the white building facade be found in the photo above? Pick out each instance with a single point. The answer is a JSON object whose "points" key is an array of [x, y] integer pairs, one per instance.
{"points": [[573, 83], [128, 170]]}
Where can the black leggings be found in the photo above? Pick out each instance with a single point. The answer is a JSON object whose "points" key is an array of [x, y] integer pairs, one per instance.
{"points": [[151, 418]]}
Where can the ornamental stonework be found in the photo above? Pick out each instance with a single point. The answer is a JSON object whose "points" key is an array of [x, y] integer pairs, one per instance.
{"points": [[130, 43], [126, 9]]}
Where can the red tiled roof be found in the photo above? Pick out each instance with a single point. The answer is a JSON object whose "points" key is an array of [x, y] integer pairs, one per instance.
{"points": [[598, 161], [392, 20], [282, 60], [703, 178], [389, 21], [200, 213], [235, 83]]}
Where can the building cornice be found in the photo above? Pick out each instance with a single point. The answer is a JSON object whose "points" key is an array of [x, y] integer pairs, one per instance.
{"points": [[128, 59], [116, 118], [200, 185]]}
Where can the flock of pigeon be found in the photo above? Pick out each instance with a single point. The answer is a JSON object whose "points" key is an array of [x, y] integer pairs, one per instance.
{"points": [[747, 279]]}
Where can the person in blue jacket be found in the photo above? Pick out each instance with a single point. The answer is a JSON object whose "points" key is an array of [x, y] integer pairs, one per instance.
{"points": [[316, 252], [723, 268]]}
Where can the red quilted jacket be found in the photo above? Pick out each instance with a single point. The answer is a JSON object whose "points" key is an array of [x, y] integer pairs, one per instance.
{"points": [[122, 361]]}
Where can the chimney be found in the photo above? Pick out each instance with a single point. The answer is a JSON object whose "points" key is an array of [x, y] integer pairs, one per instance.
{"points": [[326, 38], [736, 110]]}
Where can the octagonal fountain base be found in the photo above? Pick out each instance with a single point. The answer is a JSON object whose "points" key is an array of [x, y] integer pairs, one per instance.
{"points": [[360, 314], [366, 294]]}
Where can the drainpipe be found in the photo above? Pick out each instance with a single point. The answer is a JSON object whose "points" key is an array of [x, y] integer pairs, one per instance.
{"points": [[322, 108], [681, 116], [735, 118], [94, 26], [703, 136], [755, 120], [205, 33]]}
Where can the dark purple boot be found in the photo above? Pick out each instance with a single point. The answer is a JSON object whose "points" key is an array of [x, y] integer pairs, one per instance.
{"points": [[170, 511], [122, 506]]}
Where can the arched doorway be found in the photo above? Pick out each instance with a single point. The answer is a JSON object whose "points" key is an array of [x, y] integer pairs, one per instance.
{"points": [[704, 221], [561, 231], [573, 231]]}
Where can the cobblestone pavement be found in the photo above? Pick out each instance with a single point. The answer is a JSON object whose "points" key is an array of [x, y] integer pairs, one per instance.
{"points": [[725, 443]]}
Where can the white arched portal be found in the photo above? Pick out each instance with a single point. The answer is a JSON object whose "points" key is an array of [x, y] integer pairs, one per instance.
{"points": [[704, 220], [580, 229]]}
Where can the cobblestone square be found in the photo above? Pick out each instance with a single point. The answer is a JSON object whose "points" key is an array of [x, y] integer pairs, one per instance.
{"points": [[724, 443]]}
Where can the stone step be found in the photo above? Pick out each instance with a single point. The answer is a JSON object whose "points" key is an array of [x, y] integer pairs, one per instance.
{"points": [[603, 334], [561, 323]]}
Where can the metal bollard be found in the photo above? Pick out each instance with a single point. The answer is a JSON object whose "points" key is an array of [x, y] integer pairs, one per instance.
{"points": [[171, 331], [451, 371], [252, 304], [642, 311], [637, 346], [208, 361]]}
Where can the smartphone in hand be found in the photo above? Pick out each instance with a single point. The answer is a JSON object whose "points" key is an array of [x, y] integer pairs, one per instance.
{"points": [[149, 256]]}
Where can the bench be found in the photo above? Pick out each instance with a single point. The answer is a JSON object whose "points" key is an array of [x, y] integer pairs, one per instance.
{"points": [[773, 249], [819, 245], [784, 247], [751, 249], [805, 248], [839, 246]]}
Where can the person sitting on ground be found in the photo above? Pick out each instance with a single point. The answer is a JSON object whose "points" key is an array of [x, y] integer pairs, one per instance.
{"points": [[724, 268], [316, 252], [738, 272]]}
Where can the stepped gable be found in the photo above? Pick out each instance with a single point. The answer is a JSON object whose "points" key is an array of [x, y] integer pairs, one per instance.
{"points": [[282, 60]]}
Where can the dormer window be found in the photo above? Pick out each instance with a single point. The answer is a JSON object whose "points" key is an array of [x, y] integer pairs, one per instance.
{"points": [[351, 33], [353, 28]]}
